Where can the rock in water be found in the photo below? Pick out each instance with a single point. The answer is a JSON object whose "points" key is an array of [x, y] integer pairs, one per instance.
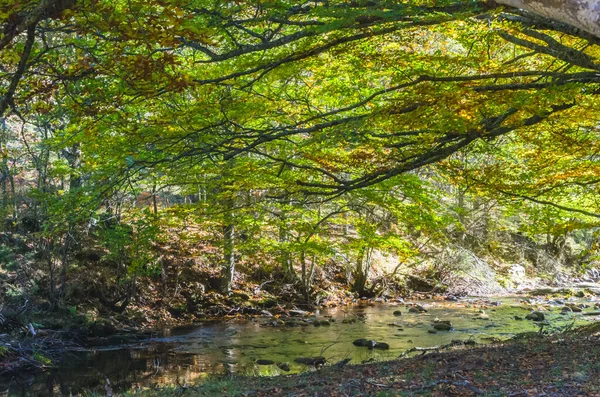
{"points": [[417, 309], [371, 344], [284, 367], [313, 361], [442, 326], [265, 362], [535, 316], [381, 346], [397, 313]]}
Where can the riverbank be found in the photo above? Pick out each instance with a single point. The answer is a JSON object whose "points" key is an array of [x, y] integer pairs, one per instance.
{"points": [[564, 365], [268, 346], [41, 342]]}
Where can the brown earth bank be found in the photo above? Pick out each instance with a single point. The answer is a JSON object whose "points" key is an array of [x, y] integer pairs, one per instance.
{"points": [[565, 365]]}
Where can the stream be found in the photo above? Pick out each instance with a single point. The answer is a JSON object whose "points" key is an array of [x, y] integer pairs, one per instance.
{"points": [[188, 354]]}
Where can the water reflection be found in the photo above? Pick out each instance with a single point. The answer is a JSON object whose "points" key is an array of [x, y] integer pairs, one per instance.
{"points": [[185, 356]]}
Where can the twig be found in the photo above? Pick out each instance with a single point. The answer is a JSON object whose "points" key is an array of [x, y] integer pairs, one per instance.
{"points": [[435, 348], [466, 384]]}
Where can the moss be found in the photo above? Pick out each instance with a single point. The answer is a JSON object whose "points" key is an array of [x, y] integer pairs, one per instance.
{"points": [[40, 358]]}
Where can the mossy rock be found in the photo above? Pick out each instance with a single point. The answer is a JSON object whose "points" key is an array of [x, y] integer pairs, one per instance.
{"points": [[442, 326], [536, 316]]}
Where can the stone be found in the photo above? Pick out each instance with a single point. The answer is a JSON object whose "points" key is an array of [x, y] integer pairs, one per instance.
{"points": [[442, 326], [397, 313], [535, 316], [284, 367], [265, 362], [381, 346], [417, 309], [361, 342], [311, 361]]}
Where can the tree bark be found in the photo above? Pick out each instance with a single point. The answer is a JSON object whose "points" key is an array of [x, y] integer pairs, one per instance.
{"points": [[228, 202], [582, 14], [228, 267]]}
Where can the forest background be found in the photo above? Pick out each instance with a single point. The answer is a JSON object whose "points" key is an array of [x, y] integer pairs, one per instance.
{"points": [[166, 161]]}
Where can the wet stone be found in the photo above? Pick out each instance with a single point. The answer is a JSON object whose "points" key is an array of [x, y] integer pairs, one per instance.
{"points": [[535, 316], [442, 326], [264, 362], [311, 361], [284, 367]]}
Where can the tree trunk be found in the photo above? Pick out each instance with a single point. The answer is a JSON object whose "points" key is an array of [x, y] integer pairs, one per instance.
{"points": [[228, 200], [581, 14], [361, 273], [228, 267], [285, 257], [73, 156], [284, 237]]}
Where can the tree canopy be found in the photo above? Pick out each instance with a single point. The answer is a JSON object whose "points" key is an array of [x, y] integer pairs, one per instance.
{"points": [[300, 112]]}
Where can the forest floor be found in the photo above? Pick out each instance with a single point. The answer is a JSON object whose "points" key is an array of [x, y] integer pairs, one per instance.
{"points": [[565, 365]]}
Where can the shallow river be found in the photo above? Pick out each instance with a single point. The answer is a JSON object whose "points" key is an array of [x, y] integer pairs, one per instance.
{"points": [[186, 355]]}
